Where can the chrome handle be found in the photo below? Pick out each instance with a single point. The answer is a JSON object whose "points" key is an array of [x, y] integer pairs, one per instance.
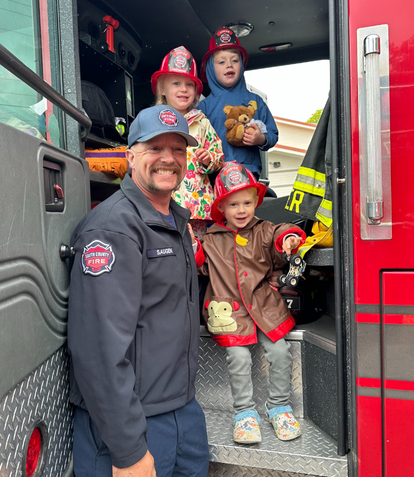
{"points": [[374, 133], [375, 203]]}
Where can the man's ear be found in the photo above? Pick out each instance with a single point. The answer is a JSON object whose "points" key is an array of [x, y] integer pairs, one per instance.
{"points": [[129, 157]]}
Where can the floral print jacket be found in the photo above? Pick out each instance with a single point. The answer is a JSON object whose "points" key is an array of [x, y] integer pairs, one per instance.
{"points": [[195, 192]]}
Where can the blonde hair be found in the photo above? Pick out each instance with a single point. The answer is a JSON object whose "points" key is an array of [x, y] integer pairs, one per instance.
{"points": [[161, 99]]}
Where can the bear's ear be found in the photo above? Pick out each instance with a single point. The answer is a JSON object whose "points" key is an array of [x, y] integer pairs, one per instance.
{"points": [[251, 110], [227, 109]]}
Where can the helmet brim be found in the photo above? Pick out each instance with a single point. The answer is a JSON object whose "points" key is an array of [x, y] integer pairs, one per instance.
{"points": [[157, 74]]}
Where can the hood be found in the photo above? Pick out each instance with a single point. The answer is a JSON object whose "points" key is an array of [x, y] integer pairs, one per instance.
{"points": [[217, 89]]}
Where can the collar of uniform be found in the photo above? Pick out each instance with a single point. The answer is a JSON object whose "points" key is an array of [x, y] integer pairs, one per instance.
{"points": [[148, 213]]}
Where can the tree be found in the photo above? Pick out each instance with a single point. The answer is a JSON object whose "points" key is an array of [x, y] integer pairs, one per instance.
{"points": [[316, 116]]}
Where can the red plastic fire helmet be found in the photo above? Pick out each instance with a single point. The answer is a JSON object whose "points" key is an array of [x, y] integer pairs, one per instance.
{"points": [[234, 178], [223, 39], [178, 62]]}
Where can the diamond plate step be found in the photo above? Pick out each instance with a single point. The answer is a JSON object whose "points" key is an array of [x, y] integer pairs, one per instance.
{"points": [[212, 384], [311, 454], [227, 470], [42, 396]]}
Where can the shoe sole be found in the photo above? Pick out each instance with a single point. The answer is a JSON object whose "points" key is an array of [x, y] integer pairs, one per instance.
{"points": [[288, 438], [247, 442]]}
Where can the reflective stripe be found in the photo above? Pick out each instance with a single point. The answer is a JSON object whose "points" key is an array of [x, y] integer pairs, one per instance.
{"points": [[311, 181], [306, 171], [324, 213], [303, 249], [327, 205]]}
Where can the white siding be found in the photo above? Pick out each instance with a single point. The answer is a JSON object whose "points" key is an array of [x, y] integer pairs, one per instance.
{"points": [[296, 137]]}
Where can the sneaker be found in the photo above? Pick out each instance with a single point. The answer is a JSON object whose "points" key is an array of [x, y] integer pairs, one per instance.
{"points": [[246, 428], [284, 422]]}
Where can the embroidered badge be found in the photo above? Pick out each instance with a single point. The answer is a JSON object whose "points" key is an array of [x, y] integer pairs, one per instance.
{"points": [[160, 252], [97, 258], [168, 118]]}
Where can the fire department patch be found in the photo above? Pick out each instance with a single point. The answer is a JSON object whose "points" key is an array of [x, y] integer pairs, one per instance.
{"points": [[97, 258], [168, 118]]}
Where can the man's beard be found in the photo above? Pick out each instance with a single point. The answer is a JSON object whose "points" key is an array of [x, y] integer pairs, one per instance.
{"points": [[152, 186]]}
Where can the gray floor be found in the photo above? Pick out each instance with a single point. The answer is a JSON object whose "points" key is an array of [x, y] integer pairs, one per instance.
{"points": [[312, 454]]}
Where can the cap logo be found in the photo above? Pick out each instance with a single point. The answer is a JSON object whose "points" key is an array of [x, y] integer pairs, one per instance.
{"points": [[224, 37], [234, 177], [97, 258], [168, 118], [180, 61]]}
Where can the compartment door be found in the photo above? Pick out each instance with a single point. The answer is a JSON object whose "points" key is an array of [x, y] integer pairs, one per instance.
{"points": [[44, 193]]}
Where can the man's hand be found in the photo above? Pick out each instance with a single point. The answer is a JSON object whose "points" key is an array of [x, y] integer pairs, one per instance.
{"points": [[290, 244], [143, 468], [190, 229], [253, 137], [203, 156]]}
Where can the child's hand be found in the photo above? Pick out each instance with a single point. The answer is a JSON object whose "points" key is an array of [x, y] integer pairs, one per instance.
{"points": [[273, 279], [203, 156], [190, 229], [253, 137], [290, 244]]}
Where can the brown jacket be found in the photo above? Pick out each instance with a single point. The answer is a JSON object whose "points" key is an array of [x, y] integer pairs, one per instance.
{"points": [[239, 297]]}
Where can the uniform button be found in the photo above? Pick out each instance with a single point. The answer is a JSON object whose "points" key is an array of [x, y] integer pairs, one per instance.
{"points": [[250, 306], [245, 274]]}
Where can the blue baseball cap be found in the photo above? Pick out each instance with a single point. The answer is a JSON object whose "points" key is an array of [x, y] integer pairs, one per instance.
{"points": [[157, 120]]}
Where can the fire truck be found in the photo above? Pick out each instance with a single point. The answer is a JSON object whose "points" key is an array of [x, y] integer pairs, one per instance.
{"points": [[353, 344]]}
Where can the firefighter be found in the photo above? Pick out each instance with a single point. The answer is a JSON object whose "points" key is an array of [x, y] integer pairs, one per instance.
{"points": [[133, 318]]}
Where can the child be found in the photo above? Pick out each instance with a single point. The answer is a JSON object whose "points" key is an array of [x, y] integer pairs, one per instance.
{"points": [[176, 85], [223, 67], [242, 254]]}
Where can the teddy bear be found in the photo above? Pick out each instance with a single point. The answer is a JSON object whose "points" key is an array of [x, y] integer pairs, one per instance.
{"points": [[237, 119]]}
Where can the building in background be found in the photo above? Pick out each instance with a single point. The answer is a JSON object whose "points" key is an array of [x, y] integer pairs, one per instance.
{"points": [[286, 157]]}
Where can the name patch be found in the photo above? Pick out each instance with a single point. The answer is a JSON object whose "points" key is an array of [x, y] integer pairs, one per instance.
{"points": [[160, 252], [97, 258]]}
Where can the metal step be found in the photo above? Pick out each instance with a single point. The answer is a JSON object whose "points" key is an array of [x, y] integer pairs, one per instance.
{"points": [[312, 454]]}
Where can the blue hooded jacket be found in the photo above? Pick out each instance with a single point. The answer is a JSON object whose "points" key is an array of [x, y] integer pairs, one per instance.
{"points": [[237, 95]]}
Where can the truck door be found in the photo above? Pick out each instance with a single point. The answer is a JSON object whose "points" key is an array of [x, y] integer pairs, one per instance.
{"points": [[382, 100], [44, 193]]}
